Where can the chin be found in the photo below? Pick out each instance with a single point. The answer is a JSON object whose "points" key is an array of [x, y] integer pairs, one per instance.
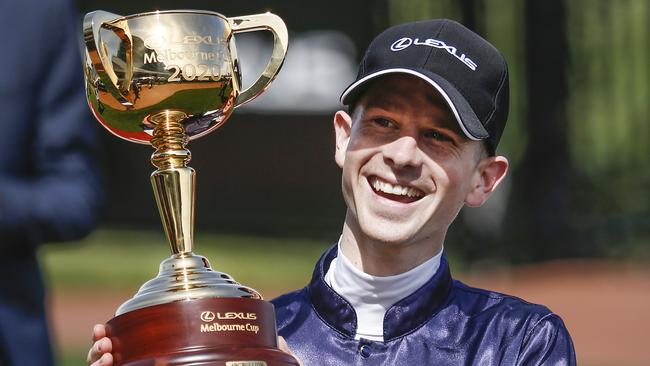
{"points": [[388, 233]]}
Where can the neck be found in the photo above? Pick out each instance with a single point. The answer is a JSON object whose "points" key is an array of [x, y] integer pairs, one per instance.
{"points": [[382, 258]]}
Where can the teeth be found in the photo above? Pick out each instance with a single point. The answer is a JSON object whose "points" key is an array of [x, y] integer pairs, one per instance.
{"points": [[396, 189]]}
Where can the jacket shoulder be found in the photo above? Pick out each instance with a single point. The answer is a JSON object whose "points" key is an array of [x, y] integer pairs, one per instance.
{"points": [[482, 300], [513, 314], [291, 306], [542, 334], [289, 298]]}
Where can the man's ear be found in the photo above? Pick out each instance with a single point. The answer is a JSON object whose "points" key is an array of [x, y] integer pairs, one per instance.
{"points": [[342, 127], [489, 172]]}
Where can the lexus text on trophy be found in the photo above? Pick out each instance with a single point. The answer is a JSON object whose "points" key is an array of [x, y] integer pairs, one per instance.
{"points": [[164, 78]]}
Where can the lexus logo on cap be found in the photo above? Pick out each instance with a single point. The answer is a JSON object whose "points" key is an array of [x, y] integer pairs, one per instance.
{"points": [[406, 42]]}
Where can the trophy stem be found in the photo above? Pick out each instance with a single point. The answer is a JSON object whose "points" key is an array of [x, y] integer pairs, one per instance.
{"points": [[173, 182]]}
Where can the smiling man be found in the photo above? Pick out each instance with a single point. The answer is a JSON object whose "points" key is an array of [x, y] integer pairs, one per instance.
{"points": [[417, 144], [425, 116]]}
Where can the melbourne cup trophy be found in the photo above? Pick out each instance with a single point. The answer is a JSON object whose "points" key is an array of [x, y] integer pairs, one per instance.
{"points": [[164, 78]]}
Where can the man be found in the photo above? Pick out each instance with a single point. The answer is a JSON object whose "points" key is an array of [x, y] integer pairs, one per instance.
{"points": [[49, 181], [425, 116]]}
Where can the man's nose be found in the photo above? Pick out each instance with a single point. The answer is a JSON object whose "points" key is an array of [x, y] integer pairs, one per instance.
{"points": [[403, 152]]}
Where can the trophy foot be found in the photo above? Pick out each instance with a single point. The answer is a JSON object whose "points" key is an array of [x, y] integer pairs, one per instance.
{"points": [[221, 356], [215, 332]]}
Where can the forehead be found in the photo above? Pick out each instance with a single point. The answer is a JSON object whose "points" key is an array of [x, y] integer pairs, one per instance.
{"points": [[408, 93]]}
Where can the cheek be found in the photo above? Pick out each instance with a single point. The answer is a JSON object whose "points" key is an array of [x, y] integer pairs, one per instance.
{"points": [[453, 180], [358, 157], [358, 162], [349, 178], [349, 172], [366, 138]]}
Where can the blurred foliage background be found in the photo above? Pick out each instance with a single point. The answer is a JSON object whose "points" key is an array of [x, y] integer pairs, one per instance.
{"points": [[578, 136], [268, 191]]}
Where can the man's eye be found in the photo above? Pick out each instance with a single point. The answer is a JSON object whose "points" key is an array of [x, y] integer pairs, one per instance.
{"points": [[433, 134], [383, 122]]}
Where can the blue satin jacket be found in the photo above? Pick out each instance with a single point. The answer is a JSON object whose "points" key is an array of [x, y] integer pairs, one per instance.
{"points": [[445, 322]]}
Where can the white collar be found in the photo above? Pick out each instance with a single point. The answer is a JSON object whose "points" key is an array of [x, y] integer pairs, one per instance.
{"points": [[371, 296]]}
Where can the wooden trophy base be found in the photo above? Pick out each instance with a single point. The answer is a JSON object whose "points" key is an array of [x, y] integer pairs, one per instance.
{"points": [[198, 332]]}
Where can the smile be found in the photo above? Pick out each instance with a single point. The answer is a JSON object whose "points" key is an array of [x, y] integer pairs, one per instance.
{"points": [[395, 192]]}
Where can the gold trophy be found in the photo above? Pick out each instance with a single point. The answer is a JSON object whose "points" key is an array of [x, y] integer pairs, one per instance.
{"points": [[165, 78]]}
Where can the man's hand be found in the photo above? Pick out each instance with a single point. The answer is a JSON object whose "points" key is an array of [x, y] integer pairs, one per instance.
{"points": [[283, 346], [100, 353]]}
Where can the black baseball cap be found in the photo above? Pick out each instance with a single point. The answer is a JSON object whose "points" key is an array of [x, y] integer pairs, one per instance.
{"points": [[470, 73]]}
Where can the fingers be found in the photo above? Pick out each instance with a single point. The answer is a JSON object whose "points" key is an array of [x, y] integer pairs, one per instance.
{"points": [[105, 360], [100, 353], [99, 332], [283, 346]]}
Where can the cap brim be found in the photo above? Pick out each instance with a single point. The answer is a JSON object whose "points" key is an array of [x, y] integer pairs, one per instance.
{"points": [[467, 119]]}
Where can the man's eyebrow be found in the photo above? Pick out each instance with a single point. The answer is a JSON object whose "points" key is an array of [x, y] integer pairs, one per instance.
{"points": [[438, 101], [447, 123], [450, 124], [382, 102]]}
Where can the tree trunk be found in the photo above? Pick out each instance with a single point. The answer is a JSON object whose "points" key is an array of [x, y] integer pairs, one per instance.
{"points": [[542, 192]]}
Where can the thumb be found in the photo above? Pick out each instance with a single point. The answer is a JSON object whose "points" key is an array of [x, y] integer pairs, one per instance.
{"points": [[283, 346]]}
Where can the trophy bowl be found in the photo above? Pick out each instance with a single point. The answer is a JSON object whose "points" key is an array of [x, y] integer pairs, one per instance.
{"points": [[164, 78]]}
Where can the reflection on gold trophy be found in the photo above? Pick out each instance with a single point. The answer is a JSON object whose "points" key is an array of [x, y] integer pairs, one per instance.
{"points": [[164, 78]]}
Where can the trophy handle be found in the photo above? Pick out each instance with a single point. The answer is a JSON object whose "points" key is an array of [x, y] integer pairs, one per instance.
{"points": [[99, 56], [121, 29], [275, 25]]}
